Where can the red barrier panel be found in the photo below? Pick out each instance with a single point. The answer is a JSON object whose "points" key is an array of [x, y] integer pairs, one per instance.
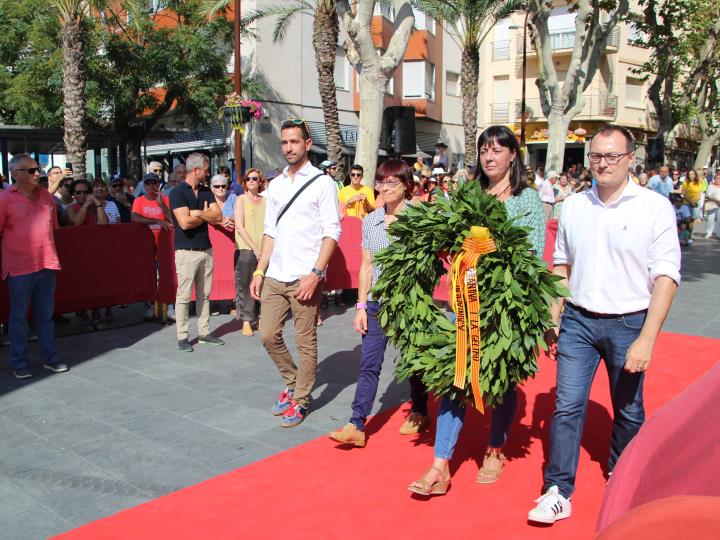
{"points": [[96, 268], [676, 452], [342, 272]]}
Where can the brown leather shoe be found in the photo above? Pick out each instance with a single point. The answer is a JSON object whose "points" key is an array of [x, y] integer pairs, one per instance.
{"points": [[415, 423], [349, 434]]}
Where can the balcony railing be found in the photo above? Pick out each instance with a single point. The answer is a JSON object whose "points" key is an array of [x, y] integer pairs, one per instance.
{"points": [[501, 50], [564, 39], [600, 106], [499, 113]]}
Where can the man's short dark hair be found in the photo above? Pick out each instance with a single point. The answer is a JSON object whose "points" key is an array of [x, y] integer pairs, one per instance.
{"points": [[53, 168], [614, 128], [357, 167], [296, 123]]}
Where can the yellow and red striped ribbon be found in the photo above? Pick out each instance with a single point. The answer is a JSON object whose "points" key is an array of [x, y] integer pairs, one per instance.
{"points": [[465, 298]]}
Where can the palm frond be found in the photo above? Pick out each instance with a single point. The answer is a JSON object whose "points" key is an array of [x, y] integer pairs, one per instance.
{"points": [[210, 8], [285, 17]]}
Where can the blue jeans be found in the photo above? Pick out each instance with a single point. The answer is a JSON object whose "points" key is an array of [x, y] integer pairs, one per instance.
{"points": [[584, 339], [372, 354], [36, 289], [452, 415]]}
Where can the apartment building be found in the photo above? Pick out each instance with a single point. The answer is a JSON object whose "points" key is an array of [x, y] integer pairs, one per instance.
{"points": [[617, 94]]}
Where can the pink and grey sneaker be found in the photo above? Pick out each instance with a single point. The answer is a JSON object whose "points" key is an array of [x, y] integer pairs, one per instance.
{"points": [[283, 402], [294, 415]]}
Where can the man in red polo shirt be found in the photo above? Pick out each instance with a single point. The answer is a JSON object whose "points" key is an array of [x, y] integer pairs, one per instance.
{"points": [[29, 261]]}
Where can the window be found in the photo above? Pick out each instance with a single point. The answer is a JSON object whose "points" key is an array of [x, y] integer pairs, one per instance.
{"points": [[452, 83], [423, 21], [342, 70], [418, 80], [430, 80], [155, 6], [636, 36], [634, 96], [384, 10], [390, 88]]}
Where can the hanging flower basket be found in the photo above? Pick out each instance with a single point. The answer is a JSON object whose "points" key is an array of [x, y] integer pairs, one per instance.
{"points": [[241, 111]]}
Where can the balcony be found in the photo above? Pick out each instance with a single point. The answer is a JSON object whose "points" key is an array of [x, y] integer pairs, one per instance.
{"points": [[501, 50], [597, 107], [564, 40], [499, 113]]}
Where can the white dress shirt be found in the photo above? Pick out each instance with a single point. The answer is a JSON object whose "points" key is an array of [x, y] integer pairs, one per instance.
{"points": [[313, 216], [617, 251]]}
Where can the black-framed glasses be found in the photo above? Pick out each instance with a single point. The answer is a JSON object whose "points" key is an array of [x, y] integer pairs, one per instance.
{"points": [[81, 192], [388, 183], [299, 122], [356, 174], [31, 170], [612, 158], [220, 186]]}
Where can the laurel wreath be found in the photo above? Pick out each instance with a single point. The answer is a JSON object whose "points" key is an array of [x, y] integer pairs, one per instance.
{"points": [[516, 289]]}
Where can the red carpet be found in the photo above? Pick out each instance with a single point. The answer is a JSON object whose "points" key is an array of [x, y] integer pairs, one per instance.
{"points": [[320, 491]]}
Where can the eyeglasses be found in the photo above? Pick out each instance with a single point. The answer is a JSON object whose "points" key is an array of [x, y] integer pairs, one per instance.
{"points": [[388, 183], [356, 174], [425, 177], [81, 193], [157, 170], [220, 186], [612, 158], [253, 178], [31, 170]]}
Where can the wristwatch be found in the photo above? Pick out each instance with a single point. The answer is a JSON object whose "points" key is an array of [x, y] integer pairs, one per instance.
{"points": [[319, 273]]}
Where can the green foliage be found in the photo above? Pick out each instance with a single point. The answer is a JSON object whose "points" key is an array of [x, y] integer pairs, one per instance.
{"points": [[516, 290]]}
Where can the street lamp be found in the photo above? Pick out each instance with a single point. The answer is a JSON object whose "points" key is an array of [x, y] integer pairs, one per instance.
{"points": [[237, 76]]}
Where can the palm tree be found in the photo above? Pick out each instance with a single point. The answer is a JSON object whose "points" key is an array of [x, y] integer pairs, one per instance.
{"points": [[72, 35], [469, 22], [325, 40]]}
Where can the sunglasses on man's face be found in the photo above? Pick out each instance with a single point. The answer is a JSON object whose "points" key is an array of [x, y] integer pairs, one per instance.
{"points": [[30, 170], [81, 193], [157, 171], [355, 174]]}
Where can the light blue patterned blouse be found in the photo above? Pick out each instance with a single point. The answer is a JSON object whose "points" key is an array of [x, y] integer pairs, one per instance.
{"points": [[528, 210]]}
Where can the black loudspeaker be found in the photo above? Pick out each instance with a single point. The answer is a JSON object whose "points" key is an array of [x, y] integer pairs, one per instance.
{"points": [[400, 130], [655, 150]]}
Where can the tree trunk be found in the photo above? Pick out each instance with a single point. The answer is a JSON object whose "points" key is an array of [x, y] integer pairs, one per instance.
{"points": [[557, 134], [706, 145], [469, 73], [372, 88], [326, 29], [74, 106]]}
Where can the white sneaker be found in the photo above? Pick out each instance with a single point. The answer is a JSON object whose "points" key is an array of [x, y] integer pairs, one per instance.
{"points": [[551, 507]]}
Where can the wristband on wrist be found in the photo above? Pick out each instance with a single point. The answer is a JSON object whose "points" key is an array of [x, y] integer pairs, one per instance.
{"points": [[258, 273], [360, 305]]}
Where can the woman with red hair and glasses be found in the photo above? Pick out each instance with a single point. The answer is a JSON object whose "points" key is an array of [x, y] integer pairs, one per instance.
{"points": [[249, 218], [394, 182]]}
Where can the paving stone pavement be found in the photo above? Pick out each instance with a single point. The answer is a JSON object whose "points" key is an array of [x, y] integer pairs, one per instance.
{"points": [[135, 418]]}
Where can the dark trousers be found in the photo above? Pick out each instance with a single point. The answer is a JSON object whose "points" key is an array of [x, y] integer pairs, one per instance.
{"points": [[36, 290], [372, 354], [246, 306]]}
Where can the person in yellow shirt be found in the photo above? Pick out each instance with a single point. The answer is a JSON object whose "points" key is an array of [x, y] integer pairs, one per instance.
{"points": [[357, 200]]}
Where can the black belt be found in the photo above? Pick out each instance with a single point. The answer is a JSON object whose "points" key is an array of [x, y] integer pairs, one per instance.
{"points": [[193, 249], [594, 315]]}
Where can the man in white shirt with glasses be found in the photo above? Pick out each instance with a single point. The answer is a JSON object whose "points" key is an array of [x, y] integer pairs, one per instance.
{"points": [[302, 227], [617, 250]]}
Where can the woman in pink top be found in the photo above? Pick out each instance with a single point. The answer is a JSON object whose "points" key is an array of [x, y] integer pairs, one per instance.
{"points": [[85, 210]]}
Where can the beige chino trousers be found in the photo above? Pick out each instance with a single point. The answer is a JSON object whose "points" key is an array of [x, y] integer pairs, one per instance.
{"points": [[277, 299], [193, 267]]}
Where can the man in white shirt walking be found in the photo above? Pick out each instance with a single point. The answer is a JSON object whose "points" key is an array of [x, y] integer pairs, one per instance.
{"points": [[618, 252], [302, 227]]}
